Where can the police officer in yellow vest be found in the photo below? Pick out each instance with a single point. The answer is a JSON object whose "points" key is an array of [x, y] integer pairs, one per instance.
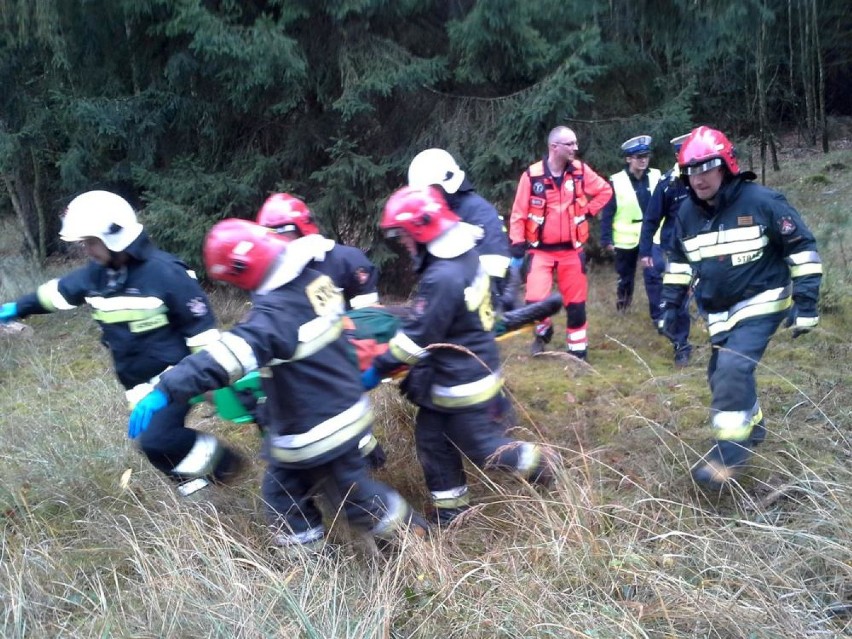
{"points": [[621, 221]]}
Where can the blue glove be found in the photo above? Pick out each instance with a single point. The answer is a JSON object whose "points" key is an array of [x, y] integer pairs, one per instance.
{"points": [[8, 312], [516, 263], [370, 378], [143, 413]]}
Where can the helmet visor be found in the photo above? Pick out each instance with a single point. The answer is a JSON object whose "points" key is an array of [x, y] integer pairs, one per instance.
{"points": [[695, 169]]}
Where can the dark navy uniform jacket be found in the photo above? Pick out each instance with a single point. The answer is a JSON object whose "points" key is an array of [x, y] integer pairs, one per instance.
{"points": [[353, 273], [452, 305], [316, 405], [750, 254], [151, 313], [662, 208], [475, 209]]}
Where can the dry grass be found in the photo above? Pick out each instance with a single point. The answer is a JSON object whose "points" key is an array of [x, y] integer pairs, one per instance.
{"points": [[626, 546]]}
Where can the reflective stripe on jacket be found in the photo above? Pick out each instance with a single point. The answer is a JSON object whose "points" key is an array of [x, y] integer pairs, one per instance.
{"points": [[152, 312], [751, 255], [315, 402], [448, 335]]}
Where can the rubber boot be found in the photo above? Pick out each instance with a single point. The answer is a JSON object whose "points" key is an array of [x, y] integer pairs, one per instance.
{"points": [[376, 458], [543, 475], [231, 465], [758, 433], [581, 355]]}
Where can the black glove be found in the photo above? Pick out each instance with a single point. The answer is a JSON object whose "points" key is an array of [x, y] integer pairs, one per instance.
{"points": [[518, 249], [666, 323], [376, 458], [801, 323]]}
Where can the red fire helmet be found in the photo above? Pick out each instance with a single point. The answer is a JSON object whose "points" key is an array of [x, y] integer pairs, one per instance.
{"points": [[705, 149], [285, 213], [241, 252], [420, 213]]}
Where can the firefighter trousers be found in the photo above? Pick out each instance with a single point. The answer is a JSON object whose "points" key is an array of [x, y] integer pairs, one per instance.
{"points": [[731, 371], [182, 453], [444, 439], [345, 484]]}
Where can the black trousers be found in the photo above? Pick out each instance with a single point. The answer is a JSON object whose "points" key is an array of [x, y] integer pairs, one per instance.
{"points": [[345, 483], [442, 439], [180, 452], [733, 362]]}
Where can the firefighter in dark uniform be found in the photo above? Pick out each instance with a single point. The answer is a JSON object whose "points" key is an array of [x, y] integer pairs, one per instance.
{"points": [[655, 241], [756, 263], [461, 410], [436, 167], [151, 312], [347, 266], [317, 407]]}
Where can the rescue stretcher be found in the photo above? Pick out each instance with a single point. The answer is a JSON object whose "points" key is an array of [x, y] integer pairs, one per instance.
{"points": [[368, 330]]}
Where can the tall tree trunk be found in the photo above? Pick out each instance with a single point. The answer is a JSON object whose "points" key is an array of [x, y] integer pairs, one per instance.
{"points": [[773, 151], [791, 64], [821, 119], [807, 78], [41, 220], [760, 89]]}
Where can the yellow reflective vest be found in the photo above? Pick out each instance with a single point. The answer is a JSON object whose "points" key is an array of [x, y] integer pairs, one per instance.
{"points": [[627, 221]]}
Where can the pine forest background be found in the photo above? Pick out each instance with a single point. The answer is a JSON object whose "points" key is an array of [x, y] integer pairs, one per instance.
{"points": [[197, 110]]}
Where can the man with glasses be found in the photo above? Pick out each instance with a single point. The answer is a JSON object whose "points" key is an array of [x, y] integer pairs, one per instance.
{"points": [[621, 222], [755, 263], [554, 200]]}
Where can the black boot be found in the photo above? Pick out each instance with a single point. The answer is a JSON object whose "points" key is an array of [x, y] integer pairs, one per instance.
{"points": [[758, 433], [376, 458], [722, 463], [543, 335], [443, 517], [231, 465], [682, 355]]}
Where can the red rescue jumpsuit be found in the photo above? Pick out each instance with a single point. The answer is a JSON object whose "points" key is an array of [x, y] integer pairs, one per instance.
{"points": [[550, 214]]}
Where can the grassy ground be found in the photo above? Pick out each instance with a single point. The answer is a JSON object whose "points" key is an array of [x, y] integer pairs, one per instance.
{"points": [[96, 544]]}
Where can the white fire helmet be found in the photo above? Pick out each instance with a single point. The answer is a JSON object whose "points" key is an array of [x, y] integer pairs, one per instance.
{"points": [[101, 214], [435, 167]]}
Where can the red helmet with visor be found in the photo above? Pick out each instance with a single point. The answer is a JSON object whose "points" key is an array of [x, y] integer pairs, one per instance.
{"points": [[241, 252], [419, 213], [705, 149], [285, 213]]}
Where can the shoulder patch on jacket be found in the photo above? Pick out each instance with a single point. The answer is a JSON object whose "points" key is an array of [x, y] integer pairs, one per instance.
{"points": [[418, 307], [786, 225], [197, 307], [362, 275]]}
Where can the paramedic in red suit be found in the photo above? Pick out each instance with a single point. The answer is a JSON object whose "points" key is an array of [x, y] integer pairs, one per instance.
{"points": [[550, 219]]}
